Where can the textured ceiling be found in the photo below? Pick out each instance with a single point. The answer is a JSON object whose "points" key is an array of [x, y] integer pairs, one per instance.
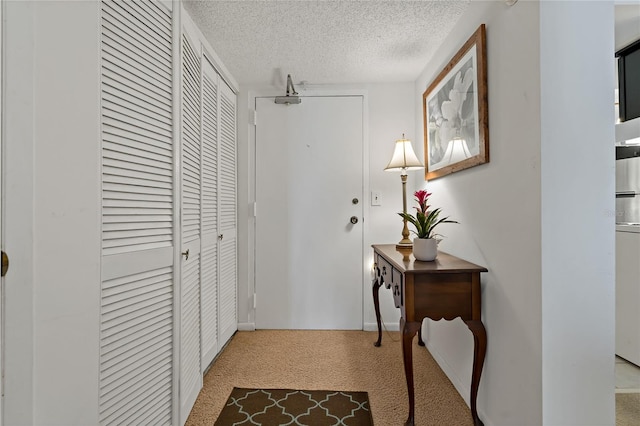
{"points": [[325, 42]]}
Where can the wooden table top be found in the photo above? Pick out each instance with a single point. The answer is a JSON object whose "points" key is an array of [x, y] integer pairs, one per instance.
{"points": [[403, 260]]}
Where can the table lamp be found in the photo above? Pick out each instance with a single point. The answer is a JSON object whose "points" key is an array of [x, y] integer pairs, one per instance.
{"points": [[404, 159]]}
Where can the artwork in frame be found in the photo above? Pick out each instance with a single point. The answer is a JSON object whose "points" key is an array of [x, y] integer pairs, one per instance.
{"points": [[455, 107]]}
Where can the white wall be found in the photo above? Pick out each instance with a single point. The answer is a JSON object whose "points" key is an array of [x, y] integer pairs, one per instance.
{"points": [[67, 219], [18, 134], [53, 199], [515, 221], [246, 222], [391, 113], [498, 207], [578, 220]]}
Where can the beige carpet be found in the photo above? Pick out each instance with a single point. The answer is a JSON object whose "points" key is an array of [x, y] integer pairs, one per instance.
{"points": [[627, 409], [336, 360]]}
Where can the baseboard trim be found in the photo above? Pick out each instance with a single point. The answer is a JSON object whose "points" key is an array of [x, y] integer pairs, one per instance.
{"points": [[246, 326], [367, 326], [372, 326]]}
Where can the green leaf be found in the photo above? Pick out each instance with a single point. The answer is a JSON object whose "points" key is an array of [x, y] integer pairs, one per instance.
{"points": [[425, 224]]}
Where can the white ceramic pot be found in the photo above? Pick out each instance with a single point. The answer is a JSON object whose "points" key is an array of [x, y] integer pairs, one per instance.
{"points": [[425, 249]]}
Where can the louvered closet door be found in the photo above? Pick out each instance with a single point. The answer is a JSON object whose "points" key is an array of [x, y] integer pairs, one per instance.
{"points": [[191, 205], [228, 321], [136, 318], [209, 268]]}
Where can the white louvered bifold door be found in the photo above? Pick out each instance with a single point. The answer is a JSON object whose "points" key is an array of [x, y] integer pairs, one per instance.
{"points": [[228, 321], [136, 318], [190, 371], [209, 268]]}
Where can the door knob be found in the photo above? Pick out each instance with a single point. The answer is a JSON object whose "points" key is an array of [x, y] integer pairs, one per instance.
{"points": [[354, 219], [5, 263], [186, 254]]}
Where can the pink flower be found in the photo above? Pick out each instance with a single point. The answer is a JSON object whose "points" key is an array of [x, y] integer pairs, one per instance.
{"points": [[425, 221], [421, 197]]}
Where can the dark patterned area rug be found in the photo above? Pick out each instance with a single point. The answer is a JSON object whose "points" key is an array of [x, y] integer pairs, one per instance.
{"points": [[279, 407]]}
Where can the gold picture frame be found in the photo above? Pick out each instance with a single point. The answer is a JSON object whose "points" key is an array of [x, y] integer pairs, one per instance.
{"points": [[456, 112]]}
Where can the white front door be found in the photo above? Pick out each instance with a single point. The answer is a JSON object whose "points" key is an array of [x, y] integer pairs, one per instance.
{"points": [[309, 188]]}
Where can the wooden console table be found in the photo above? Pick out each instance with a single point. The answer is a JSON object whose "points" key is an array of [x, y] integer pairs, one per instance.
{"points": [[447, 288]]}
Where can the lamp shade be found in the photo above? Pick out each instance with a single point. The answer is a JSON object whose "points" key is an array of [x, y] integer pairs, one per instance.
{"points": [[403, 157]]}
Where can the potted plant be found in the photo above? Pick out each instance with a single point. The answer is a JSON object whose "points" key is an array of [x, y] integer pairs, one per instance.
{"points": [[425, 245]]}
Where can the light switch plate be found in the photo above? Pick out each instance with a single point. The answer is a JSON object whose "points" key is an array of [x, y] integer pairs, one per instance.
{"points": [[376, 200]]}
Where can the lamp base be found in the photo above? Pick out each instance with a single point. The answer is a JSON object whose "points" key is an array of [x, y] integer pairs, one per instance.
{"points": [[404, 243]]}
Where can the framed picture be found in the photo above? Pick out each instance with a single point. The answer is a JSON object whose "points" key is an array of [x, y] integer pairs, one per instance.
{"points": [[455, 106]]}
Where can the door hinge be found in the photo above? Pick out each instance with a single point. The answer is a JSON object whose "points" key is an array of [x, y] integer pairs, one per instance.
{"points": [[255, 303], [255, 117], [254, 209]]}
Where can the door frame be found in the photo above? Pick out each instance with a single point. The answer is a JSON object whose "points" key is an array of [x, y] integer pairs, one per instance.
{"points": [[2, 50], [309, 91]]}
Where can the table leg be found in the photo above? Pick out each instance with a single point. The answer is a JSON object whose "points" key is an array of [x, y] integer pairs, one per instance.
{"points": [[479, 351], [420, 341], [409, 330], [376, 304]]}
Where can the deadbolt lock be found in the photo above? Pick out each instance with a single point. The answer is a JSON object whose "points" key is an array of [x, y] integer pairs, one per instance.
{"points": [[355, 201]]}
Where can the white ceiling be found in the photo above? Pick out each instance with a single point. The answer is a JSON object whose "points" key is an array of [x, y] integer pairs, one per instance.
{"points": [[340, 41], [325, 42]]}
